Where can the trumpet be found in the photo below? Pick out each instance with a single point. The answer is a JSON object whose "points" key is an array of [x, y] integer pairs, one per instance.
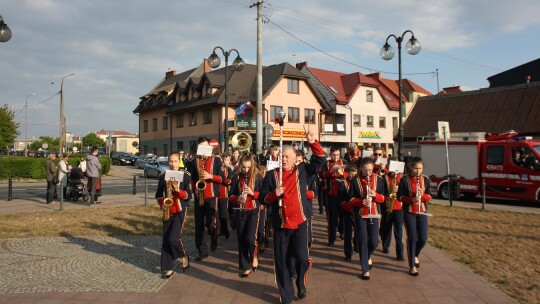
{"points": [[201, 183], [370, 216], [393, 195], [168, 201], [419, 198]]}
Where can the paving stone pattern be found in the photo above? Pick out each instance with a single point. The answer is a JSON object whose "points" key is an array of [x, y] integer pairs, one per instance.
{"points": [[78, 264]]}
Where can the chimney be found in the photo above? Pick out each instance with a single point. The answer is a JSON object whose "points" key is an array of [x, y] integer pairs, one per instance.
{"points": [[207, 67], [301, 65], [170, 74], [375, 75]]}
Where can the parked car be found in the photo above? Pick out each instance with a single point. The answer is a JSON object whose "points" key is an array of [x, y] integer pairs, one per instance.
{"points": [[122, 159], [142, 160], [154, 168]]}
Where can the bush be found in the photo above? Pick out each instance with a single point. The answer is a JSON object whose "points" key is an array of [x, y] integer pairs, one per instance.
{"points": [[34, 168]]}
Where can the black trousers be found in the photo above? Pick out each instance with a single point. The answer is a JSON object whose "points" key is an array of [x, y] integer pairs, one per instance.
{"points": [[246, 234], [367, 233], [172, 247], [393, 220], [261, 227], [205, 216], [321, 198], [51, 188], [93, 192], [348, 225], [416, 226], [223, 205], [295, 241], [332, 216]]}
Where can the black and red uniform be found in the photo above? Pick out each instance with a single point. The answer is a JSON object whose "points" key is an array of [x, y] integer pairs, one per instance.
{"points": [[172, 247], [206, 215], [290, 220], [416, 225], [393, 220], [348, 223], [367, 229], [333, 212], [353, 157], [247, 219], [223, 200]]}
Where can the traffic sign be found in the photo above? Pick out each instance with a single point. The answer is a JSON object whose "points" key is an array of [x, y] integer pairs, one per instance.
{"points": [[214, 143]]}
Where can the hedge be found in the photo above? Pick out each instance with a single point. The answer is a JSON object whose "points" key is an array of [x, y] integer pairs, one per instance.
{"points": [[19, 167]]}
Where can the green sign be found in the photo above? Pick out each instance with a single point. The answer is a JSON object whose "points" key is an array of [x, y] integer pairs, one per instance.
{"points": [[242, 123]]}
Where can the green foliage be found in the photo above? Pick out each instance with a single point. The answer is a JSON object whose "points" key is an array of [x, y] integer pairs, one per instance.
{"points": [[34, 168], [53, 143], [92, 140], [8, 128]]}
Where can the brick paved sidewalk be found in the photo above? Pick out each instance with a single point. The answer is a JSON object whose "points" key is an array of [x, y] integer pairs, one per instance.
{"points": [[332, 280]]}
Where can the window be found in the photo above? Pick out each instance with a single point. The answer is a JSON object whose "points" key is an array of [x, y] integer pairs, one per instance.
{"points": [[495, 155], [369, 96], [207, 116], [273, 112], [180, 120], [356, 120], [179, 146], [145, 126], [193, 146], [165, 149], [294, 114], [165, 122], [145, 149], [382, 122], [370, 121], [154, 124], [193, 118], [309, 116], [394, 123], [292, 86]]}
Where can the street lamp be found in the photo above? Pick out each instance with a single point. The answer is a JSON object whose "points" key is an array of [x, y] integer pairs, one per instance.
{"points": [[62, 118], [214, 61], [26, 125], [5, 31], [413, 47]]}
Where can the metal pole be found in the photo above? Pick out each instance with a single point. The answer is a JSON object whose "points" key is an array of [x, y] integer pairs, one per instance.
{"points": [[134, 185], [26, 128], [448, 167], [400, 132], [10, 189], [61, 147], [145, 190], [61, 196], [226, 145], [483, 194], [259, 107], [437, 74]]}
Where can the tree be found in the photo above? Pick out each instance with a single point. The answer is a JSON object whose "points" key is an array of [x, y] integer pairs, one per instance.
{"points": [[53, 143], [8, 128], [92, 140]]}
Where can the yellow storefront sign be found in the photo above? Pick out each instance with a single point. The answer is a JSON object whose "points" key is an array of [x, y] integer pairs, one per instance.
{"points": [[369, 134]]}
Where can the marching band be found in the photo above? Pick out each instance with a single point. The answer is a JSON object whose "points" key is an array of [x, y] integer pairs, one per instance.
{"points": [[275, 204]]}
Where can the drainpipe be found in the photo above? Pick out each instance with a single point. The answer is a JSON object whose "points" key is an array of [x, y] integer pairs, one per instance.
{"points": [[351, 118]]}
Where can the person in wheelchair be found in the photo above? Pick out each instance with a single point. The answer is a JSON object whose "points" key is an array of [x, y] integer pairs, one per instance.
{"points": [[76, 186]]}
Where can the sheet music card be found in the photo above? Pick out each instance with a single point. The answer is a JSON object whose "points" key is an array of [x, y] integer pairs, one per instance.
{"points": [[366, 153], [381, 161], [178, 175], [272, 164], [396, 166], [204, 150]]}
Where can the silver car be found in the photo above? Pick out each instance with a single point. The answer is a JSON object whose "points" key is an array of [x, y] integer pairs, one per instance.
{"points": [[154, 168]]}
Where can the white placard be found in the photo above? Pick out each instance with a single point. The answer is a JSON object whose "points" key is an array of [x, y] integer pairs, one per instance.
{"points": [[178, 175], [443, 126], [381, 160], [366, 153], [328, 128], [396, 166], [272, 164], [204, 150], [340, 127]]}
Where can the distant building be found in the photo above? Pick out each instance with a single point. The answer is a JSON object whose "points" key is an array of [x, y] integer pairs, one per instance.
{"points": [[120, 141], [525, 73]]}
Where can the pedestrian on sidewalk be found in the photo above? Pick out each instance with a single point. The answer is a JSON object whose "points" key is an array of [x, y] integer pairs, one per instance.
{"points": [[92, 171], [63, 174], [50, 175], [172, 247]]}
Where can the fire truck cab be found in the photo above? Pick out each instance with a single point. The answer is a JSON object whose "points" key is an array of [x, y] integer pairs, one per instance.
{"points": [[508, 164]]}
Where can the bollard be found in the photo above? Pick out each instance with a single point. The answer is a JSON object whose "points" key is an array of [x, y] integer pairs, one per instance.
{"points": [[483, 194], [61, 197], [10, 189], [134, 185], [145, 190], [450, 189]]}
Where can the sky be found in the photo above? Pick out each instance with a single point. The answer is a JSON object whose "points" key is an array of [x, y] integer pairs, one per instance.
{"points": [[120, 49]]}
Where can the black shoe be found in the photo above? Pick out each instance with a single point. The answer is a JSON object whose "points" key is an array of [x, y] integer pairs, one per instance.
{"points": [[400, 258], [370, 266], [320, 211], [347, 258], [330, 245], [302, 294], [184, 267], [386, 251], [365, 277], [213, 245], [245, 275], [414, 274], [97, 202], [201, 257], [168, 275], [254, 269], [262, 247], [356, 249]]}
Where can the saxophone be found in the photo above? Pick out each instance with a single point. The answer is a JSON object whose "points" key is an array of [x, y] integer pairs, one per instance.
{"points": [[392, 196], [168, 201], [201, 183]]}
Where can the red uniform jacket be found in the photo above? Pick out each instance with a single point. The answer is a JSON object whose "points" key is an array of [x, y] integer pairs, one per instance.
{"points": [[237, 187], [180, 198], [224, 186], [211, 165], [358, 190], [333, 178], [407, 192]]}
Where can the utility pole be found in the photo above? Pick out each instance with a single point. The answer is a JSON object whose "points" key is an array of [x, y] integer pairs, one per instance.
{"points": [[437, 74], [62, 119], [26, 125], [259, 106]]}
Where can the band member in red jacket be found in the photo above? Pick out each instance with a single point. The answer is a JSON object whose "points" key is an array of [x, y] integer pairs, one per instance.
{"points": [[393, 219], [344, 199], [289, 215], [223, 198], [333, 173], [244, 195], [367, 192], [414, 193], [206, 214], [172, 247]]}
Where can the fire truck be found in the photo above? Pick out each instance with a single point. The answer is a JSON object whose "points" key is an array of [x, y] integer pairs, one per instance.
{"points": [[508, 164]]}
